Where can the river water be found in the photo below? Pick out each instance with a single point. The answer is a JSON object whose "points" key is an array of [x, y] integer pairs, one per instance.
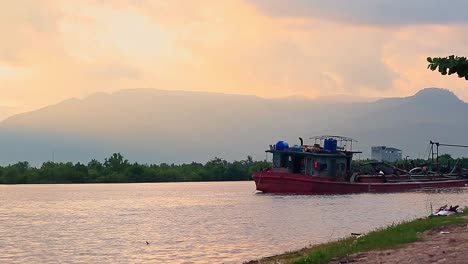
{"points": [[216, 222]]}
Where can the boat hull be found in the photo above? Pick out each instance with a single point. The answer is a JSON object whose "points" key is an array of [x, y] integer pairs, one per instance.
{"points": [[271, 182]]}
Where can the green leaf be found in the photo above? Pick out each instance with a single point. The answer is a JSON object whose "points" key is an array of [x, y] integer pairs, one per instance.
{"points": [[451, 64]]}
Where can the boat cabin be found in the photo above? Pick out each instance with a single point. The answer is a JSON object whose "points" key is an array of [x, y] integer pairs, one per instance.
{"points": [[331, 160]]}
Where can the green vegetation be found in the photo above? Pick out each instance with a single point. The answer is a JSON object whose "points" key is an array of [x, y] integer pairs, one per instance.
{"points": [[116, 169], [390, 237], [450, 65], [446, 163]]}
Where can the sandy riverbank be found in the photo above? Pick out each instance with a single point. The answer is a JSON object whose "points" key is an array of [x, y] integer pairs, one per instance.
{"points": [[440, 245], [445, 242]]}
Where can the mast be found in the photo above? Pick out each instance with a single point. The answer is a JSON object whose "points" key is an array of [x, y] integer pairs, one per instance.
{"points": [[436, 152]]}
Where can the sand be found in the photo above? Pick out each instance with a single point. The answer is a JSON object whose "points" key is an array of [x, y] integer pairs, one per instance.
{"points": [[442, 245]]}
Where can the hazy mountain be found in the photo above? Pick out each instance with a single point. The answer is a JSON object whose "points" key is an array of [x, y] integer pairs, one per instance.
{"points": [[148, 125], [5, 111]]}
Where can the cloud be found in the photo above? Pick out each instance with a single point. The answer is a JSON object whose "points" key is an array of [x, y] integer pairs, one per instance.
{"points": [[23, 25], [229, 46], [381, 12], [406, 52]]}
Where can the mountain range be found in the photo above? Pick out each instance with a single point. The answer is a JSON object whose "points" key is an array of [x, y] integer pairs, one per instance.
{"points": [[155, 126]]}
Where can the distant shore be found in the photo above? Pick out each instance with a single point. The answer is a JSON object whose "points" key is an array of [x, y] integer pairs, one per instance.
{"points": [[425, 240], [116, 169]]}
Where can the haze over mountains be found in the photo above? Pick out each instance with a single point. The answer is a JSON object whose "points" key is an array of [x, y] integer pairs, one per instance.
{"points": [[154, 126]]}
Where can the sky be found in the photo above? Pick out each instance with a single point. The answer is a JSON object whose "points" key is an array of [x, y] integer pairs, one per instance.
{"points": [[54, 50]]}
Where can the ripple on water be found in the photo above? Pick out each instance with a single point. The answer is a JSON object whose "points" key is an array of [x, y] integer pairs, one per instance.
{"points": [[220, 222]]}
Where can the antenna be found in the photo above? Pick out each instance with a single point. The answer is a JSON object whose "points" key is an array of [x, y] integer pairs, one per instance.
{"points": [[436, 152]]}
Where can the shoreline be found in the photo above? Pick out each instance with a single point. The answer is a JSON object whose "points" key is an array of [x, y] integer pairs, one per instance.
{"points": [[146, 182], [392, 240]]}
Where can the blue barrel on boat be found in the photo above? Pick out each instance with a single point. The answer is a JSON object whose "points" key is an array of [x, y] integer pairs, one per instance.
{"points": [[297, 148], [282, 145], [330, 144]]}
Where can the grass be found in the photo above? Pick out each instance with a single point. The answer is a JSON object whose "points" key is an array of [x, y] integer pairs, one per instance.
{"points": [[390, 237]]}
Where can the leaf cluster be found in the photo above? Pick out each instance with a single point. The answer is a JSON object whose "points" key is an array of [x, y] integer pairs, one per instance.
{"points": [[450, 65]]}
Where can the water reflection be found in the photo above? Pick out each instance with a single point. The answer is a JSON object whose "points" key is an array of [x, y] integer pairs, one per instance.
{"points": [[187, 222]]}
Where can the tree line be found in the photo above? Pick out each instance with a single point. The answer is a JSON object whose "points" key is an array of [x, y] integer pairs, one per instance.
{"points": [[445, 164], [117, 169]]}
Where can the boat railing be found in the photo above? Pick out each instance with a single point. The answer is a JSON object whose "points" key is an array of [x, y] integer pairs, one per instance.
{"points": [[343, 143]]}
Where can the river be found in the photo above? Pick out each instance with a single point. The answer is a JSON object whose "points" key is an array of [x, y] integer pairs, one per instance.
{"points": [[209, 222]]}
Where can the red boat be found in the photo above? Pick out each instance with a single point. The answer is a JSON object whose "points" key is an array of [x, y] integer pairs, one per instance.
{"points": [[305, 169]]}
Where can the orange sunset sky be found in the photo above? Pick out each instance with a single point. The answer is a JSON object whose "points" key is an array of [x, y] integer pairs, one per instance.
{"points": [[54, 50]]}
